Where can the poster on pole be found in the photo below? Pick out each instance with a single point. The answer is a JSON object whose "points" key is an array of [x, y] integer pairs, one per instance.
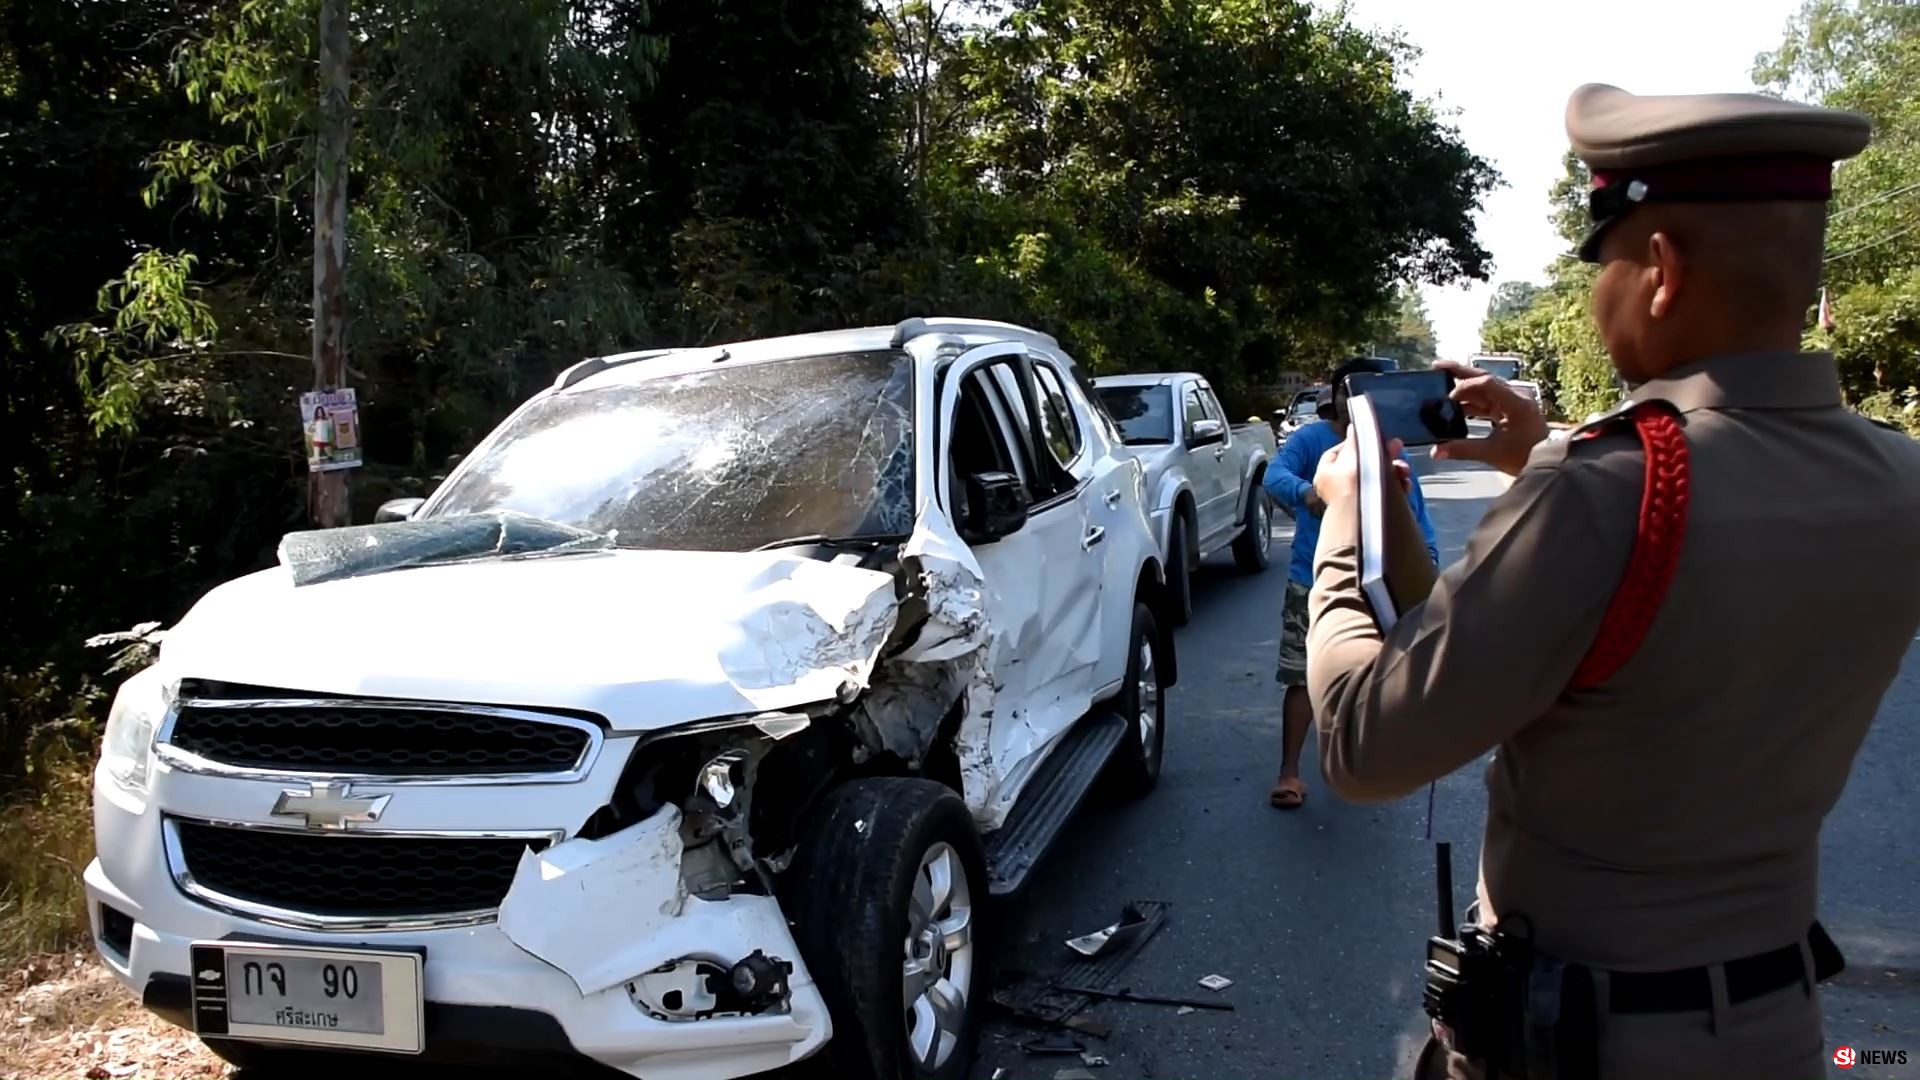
{"points": [[331, 420]]}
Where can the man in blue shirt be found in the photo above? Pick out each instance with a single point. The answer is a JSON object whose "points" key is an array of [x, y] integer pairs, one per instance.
{"points": [[1289, 480]]}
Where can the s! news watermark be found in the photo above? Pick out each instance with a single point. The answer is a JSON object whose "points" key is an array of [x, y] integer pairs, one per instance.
{"points": [[1847, 1057]]}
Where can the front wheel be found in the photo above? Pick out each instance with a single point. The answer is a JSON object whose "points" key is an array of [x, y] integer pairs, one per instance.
{"points": [[1136, 765], [1253, 548], [891, 881]]}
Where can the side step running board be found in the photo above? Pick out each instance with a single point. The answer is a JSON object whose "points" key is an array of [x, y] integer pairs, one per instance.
{"points": [[1049, 802]]}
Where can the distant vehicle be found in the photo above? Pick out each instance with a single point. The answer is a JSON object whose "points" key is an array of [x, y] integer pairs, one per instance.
{"points": [[1307, 397], [1304, 410], [1203, 476], [1507, 368]]}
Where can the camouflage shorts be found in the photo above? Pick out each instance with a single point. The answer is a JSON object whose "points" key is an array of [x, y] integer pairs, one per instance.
{"points": [[1293, 637]]}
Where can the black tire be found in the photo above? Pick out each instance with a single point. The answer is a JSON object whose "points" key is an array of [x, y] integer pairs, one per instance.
{"points": [[1136, 765], [1253, 548], [854, 880], [1179, 573]]}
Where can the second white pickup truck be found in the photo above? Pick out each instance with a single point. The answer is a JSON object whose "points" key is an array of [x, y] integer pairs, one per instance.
{"points": [[1203, 474]]}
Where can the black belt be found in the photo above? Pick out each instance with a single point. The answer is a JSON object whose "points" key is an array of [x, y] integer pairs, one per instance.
{"points": [[1691, 989]]}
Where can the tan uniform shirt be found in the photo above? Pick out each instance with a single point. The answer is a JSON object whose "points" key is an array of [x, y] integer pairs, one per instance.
{"points": [[1669, 817]]}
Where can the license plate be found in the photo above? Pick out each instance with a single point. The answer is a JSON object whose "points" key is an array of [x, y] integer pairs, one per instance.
{"points": [[346, 998]]}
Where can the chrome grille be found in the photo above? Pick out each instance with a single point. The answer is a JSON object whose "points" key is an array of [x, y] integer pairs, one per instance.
{"points": [[378, 738]]}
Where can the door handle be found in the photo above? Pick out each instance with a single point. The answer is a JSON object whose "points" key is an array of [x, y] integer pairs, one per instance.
{"points": [[1113, 499], [1094, 536]]}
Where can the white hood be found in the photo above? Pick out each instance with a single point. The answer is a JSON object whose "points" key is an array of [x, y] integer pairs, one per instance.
{"points": [[647, 639]]}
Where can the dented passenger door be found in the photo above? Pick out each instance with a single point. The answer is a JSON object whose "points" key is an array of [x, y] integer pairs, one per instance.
{"points": [[1043, 581]]}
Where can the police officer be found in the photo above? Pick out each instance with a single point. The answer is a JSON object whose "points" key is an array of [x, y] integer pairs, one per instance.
{"points": [[1657, 824]]}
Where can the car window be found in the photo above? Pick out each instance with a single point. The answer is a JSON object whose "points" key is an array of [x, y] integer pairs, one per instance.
{"points": [[1144, 414], [1009, 419], [1192, 411], [1007, 381], [977, 443], [1211, 404], [1046, 477], [1056, 415], [1096, 407], [1508, 370]]}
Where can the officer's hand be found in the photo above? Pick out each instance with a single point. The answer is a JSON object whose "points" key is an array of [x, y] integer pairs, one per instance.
{"points": [[1518, 423], [1314, 503], [1338, 474]]}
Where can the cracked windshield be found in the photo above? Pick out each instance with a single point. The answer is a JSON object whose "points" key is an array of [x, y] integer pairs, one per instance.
{"points": [[729, 458]]}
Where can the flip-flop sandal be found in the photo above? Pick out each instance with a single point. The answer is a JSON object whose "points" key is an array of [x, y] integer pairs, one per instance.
{"points": [[1288, 795]]}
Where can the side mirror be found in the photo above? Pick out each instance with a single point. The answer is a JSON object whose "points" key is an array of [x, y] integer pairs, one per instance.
{"points": [[396, 510], [996, 507], [1206, 431]]}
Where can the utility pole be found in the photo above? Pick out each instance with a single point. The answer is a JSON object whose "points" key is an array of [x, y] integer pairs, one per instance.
{"points": [[327, 490]]}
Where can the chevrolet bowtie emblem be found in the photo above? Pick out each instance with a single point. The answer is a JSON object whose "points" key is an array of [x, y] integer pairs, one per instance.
{"points": [[329, 805]]}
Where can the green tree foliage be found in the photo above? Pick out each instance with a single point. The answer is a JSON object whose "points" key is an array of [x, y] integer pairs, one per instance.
{"points": [[1511, 298], [1865, 55], [1405, 332], [1235, 172]]}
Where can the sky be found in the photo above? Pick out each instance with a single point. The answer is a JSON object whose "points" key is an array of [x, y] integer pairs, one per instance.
{"points": [[1507, 67]]}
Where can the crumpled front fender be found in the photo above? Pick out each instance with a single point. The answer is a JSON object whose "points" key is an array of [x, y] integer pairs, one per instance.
{"points": [[604, 911]]}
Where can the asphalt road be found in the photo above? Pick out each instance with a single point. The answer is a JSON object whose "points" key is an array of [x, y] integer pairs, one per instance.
{"points": [[1318, 915]]}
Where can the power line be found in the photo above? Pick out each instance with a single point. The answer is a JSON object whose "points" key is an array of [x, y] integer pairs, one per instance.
{"points": [[1887, 239], [1877, 199]]}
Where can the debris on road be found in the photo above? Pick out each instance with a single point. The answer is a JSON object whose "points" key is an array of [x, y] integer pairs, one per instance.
{"points": [[1073, 1074], [1055, 999], [1184, 1010], [1132, 924], [1216, 983], [1093, 1060], [1000, 1073], [1088, 1025], [1052, 1044], [1127, 995]]}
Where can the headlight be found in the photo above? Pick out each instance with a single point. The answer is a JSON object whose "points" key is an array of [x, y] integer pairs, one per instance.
{"points": [[721, 778], [699, 767], [127, 751]]}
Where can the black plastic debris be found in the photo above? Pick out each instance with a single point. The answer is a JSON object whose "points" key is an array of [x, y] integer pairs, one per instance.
{"points": [[1087, 1025], [1127, 995], [1053, 1045], [1047, 999], [1132, 924]]}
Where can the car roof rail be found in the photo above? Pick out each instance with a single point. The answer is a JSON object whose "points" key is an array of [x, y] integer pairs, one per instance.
{"points": [[594, 366], [907, 329], [586, 369]]}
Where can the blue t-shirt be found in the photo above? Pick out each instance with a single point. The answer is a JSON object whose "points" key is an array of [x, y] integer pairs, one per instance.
{"points": [[1290, 477]]}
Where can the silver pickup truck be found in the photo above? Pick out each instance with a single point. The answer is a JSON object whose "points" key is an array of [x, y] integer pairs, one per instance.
{"points": [[1202, 473]]}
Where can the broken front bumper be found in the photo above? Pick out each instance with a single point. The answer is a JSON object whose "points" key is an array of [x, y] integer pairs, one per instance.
{"points": [[482, 989]]}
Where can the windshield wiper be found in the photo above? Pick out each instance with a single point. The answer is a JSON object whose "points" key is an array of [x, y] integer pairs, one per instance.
{"points": [[822, 538]]}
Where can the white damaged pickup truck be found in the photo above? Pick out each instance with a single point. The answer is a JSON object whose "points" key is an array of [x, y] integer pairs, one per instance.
{"points": [[686, 729]]}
